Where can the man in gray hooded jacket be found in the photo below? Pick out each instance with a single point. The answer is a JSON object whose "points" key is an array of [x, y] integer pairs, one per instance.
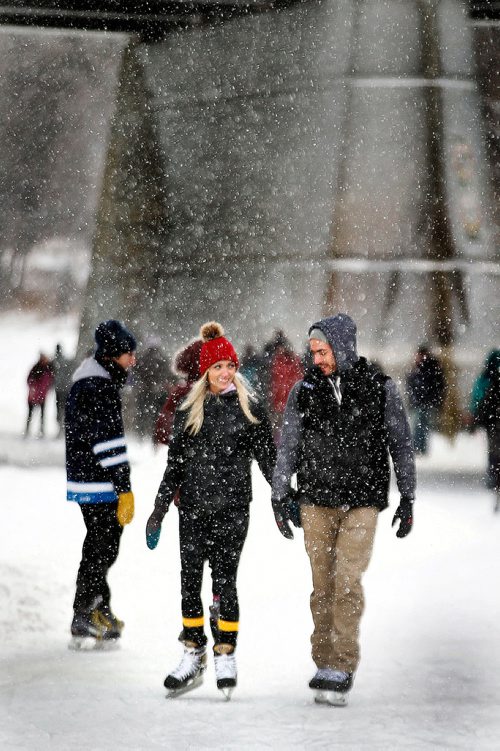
{"points": [[341, 424]]}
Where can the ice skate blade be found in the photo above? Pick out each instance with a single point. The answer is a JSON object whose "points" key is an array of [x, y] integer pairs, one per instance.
{"points": [[89, 644], [172, 693], [227, 692], [332, 698]]}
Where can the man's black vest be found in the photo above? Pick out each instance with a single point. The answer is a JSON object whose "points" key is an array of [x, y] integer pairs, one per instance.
{"points": [[343, 455]]}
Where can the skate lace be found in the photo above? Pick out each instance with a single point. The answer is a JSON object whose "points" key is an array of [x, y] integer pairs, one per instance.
{"points": [[188, 665], [225, 666]]}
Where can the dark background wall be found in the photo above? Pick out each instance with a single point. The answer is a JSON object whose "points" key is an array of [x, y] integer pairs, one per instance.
{"points": [[240, 165], [314, 158]]}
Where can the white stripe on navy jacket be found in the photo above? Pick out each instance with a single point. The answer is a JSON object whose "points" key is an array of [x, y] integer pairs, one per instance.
{"points": [[97, 464]]}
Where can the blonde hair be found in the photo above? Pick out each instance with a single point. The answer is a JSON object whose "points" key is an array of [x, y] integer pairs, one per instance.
{"points": [[194, 403]]}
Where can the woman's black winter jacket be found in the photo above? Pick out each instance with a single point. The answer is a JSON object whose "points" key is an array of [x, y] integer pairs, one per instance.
{"points": [[212, 469]]}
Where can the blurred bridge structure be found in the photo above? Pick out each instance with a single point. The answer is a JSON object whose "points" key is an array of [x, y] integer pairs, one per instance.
{"points": [[269, 163]]}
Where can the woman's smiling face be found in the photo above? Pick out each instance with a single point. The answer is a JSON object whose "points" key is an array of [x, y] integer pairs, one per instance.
{"points": [[221, 375]]}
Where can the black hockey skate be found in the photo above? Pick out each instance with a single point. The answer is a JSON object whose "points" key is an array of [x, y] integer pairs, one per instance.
{"points": [[331, 686], [188, 675], [97, 629], [113, 626], [225, 669]]}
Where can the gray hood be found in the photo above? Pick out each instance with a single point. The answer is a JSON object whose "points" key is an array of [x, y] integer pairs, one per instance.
{"points": [[340, 331], [90, 368]]}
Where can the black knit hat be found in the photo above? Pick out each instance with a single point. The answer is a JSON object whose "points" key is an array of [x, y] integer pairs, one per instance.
{"points": [[113, 339]]}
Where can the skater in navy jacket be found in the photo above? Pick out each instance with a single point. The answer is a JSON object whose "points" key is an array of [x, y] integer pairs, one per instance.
{"points": [[98, 474]]}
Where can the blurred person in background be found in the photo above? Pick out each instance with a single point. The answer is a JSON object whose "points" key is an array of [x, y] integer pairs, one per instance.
{"points": [[479, 389], [426, 389], [63, 369], [40, 380], [187, 367], [488, 416], [252, 368], [278, 339], [151, 382], [284, 372]]}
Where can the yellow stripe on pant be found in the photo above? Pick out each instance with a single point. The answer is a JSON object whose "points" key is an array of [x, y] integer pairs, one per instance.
{"points": [[193, 622], [228, 625]]}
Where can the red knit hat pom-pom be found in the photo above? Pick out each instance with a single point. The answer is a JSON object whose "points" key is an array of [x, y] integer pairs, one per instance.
{"points": [[215, 346]]}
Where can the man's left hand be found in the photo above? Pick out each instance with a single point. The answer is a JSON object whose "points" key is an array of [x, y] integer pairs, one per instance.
{"points": [[404, 513]]}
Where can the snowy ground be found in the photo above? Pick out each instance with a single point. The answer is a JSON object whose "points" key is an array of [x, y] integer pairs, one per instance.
{"points": [[430, 670]]}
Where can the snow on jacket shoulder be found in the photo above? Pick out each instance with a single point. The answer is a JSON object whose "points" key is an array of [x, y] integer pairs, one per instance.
{"points": [[97, 463]]}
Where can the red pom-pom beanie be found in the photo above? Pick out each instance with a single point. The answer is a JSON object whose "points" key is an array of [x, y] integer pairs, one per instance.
{"points": [[215, 346]]}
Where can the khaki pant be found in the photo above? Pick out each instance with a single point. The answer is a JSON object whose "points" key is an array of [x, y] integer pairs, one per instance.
{"points": [[339, 544]]}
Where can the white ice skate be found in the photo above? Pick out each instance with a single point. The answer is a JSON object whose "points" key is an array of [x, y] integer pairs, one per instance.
{"points": [[188, 675], [225, 669]]}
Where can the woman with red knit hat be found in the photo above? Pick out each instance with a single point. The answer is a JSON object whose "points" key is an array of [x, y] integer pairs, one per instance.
{"points": [[218, 430]]}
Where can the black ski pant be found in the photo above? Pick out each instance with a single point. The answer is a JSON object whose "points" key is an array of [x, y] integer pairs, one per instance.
{"points": [[99, 552], [217, 537]]}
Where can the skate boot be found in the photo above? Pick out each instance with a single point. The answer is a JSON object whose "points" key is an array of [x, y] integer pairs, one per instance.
{"points": [[97, 628], [189, 673], [112, 625], [87, 632], [331, 686], [225, 668]]}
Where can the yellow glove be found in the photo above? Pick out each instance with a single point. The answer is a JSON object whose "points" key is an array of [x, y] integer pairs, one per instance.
{"points": [[125, 510]]}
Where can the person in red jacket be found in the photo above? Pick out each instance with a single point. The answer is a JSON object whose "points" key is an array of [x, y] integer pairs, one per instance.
{"points": [[187, 366], [286, 369], [40, 381]]}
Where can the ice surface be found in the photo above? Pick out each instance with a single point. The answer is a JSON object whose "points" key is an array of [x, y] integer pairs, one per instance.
{"points": [[429, 675]]}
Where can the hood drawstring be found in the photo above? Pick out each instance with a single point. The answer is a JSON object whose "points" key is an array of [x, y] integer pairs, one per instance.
{"points": [[335, 383]]}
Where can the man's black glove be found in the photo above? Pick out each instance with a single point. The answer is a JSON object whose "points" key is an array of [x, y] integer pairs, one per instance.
{"points": [[280, 509], [404, 513], [293, 507]]}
